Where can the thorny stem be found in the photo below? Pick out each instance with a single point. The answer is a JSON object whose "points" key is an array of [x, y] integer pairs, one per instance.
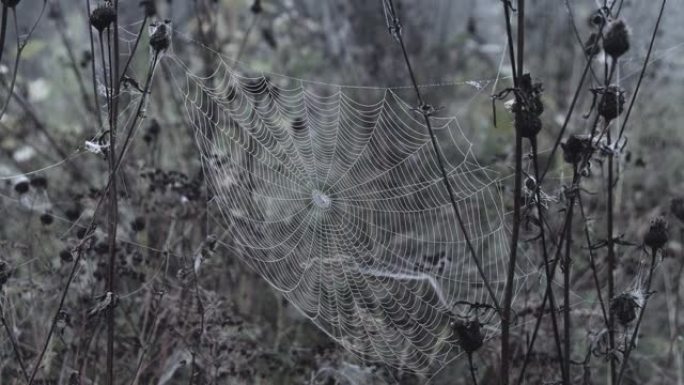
{"points": [[439, 156], [517, 190], [630, 345]]}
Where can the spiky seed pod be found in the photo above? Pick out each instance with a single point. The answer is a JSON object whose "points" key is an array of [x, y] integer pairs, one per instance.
{"points": [[21, 187], [616, 39], [677, 208], [160, 39], [576, 148], [10, 3], [149, 7], [527, 124], [657, 235], [612, 103], [625, 307], [469, 334], [102, 17], [5, 273]]}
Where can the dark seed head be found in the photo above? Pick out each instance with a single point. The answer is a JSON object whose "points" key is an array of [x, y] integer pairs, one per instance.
{"points": [[39, 182], [596, 20], [469, 334], [160, 40], [47, 219], [22, 187], [625, 307], [576, 148], [102, 17], [677, 208], [657, 235], [138, 224], [66, 256], [612, 103], [527, 124], [616, 39]]}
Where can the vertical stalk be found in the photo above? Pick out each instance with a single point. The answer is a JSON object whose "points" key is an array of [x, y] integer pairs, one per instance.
{"points": [[611, 258], [113, 193], [515, 231], [566, 284]]}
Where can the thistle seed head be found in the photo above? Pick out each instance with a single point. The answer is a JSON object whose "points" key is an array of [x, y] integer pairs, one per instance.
{"points": [[469, 334], [625, 307], [616, 39], [527, 124], [612, 103], [102, 17], [160, 36], [657, 235], [576, 148]]}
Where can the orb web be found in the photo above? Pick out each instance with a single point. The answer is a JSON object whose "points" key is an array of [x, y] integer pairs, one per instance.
{"points": [[334, 195]]}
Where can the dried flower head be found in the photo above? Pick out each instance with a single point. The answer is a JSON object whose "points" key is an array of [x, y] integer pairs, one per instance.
{"points": [[469, 334], [46, 219], [612, 103], [160, 36], [527, 124], [22, 187], [103, 16], [677, 208], [616, 39], [66, 256], [625, 307], [576, 148], [657, 235]]}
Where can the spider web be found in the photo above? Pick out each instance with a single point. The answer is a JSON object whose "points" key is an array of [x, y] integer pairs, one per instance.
{"points": [[333, 194]]}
